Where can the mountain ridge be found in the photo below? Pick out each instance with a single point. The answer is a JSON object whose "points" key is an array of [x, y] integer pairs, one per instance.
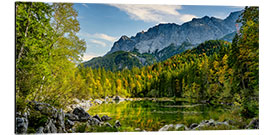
{"points": [[195, 31], [134, 51]]}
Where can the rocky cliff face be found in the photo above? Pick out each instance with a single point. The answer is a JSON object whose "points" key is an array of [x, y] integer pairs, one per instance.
{"points": [[161, 36]]}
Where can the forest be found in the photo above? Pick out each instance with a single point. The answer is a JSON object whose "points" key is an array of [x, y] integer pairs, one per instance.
{"points": [[48, 65]]}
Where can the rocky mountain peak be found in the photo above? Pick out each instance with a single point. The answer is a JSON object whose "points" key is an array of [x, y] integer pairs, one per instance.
{"points": [[161, 36]]}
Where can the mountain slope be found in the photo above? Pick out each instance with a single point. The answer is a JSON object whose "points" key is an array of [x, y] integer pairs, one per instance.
{"points": [[164, 41], [161, 36], [121, 60]]}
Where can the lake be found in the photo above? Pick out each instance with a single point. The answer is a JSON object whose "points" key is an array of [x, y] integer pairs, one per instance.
{"points": [[150, 115]]}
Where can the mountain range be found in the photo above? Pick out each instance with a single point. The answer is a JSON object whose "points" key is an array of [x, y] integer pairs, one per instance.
{"points": [[165, 40]]}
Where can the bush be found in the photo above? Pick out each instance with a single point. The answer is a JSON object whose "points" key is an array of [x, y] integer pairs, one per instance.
{"points": [[250, 109]]}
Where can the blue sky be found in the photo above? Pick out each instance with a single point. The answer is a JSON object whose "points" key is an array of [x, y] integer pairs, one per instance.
{"points": [[103, 24]]}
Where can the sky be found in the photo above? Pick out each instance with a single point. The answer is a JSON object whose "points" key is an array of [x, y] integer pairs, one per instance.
{"points": [[103, 24]]}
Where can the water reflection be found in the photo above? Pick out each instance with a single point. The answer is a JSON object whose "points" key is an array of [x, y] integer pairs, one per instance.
{"points": [[152, 115]]}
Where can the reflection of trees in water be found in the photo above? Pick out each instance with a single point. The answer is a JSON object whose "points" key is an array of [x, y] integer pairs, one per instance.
{"points": [[151, 116]]}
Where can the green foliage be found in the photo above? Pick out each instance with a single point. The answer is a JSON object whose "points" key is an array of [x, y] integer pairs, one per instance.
{"points": [[81, 127], [120, 60], [47, 50], [215, 72]]}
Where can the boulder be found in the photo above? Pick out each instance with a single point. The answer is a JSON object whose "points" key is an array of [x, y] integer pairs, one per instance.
{"points": [[180, 126], [254, 124], [60, 119], [76, 100], [94, 122], [83, 116], [69, 123], [105, 118], [193, 125], [117, 124], [50, 127], [97, 117], [21, 125], [117, 98], [97, 101], [72, 117], [166, 127], [108, 124], [40, 130]]}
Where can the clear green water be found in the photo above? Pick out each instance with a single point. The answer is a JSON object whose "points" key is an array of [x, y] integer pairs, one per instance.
{"points": [[152, 115]]}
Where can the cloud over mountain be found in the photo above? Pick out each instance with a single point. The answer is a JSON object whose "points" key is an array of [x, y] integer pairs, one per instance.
{"points": [[155, 13]]}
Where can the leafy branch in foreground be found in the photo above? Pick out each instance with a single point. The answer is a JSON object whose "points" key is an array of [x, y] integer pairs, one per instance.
{"points": [[47, 50]]}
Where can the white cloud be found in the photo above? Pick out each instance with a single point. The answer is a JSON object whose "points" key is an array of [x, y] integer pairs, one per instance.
{"points": [[85, 5], [96, 36], [155, 13], [98, 42], [105, 37], [87, 57]]}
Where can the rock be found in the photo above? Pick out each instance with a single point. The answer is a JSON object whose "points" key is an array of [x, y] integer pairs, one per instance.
{"points": [[221, 123], [60, 119], [69, 123], [254, 124], [94, 122], [85, 104], [160, 36], [128, 99], [107, 99], [117, 124], [21, 125], [97, 101], [72, 117], [97, 117], [105, 118], [117, 98], [83, 116], [76, 100], [193, 125], [18, 114], [211, 122], [231, 122], [180, 126], [40, 130], [50, 127], [137, 129], [71, 130], [166, 127], [108, 124]]}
